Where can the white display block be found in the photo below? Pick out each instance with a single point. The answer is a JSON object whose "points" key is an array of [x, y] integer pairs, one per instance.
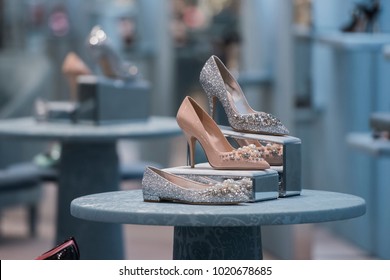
{"points": [[265, 182]]}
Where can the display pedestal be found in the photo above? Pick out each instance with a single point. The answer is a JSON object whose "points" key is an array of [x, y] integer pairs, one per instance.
{"points": [[265, 182], [89, 164], [379, 150], [290, 172], [79, 176], [350, 78], [217, 231], [217, 243], [106, 101]]}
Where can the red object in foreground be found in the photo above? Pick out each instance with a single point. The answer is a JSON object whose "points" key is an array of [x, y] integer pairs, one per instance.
{"points": [[67, 250]]}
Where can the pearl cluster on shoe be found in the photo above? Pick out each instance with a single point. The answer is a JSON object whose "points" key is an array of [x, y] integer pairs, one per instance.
{"points": [[246, 153], [271, 150], [230, 187]]}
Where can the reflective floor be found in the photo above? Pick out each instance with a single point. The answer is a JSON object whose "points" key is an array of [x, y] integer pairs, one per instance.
{"points": [[142, 242]]}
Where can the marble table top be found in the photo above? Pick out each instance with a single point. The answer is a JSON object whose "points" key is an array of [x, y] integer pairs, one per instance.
{"points": [[154, 126], [128, 207]]}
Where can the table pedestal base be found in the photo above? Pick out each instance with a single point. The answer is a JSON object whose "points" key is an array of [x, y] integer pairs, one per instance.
{"points": [[217, 243], [87, 168]]}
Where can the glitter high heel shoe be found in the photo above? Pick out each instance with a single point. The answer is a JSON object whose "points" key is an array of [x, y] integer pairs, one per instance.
{"points": [[364, 18], [158, 185], [271, 152], [219, 83], [198, 125], [109, 61]]}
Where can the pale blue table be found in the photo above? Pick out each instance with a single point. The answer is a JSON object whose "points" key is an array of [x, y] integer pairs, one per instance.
{"points": [[89, 164], [217, 232]]}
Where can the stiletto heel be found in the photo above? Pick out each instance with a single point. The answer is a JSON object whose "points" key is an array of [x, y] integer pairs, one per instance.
{"points": [[219, 83], [198, 125], [212, 105], [158, 185], [191, 149]]}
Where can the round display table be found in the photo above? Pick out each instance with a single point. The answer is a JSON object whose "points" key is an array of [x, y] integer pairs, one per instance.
{"points": [[89, 164], [217, 231]]}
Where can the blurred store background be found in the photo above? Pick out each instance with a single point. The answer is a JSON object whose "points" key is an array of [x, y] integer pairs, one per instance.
{"points": [[318, 65]]}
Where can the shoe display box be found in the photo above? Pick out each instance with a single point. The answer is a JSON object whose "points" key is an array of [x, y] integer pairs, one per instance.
{"points": [[290, 171], [55, 111], [265, 182], [107, 101]]}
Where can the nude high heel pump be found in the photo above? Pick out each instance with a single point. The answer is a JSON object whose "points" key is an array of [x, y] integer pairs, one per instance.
{"points": [[72, 67], [158, 185], [197, 125], [219, 83]]}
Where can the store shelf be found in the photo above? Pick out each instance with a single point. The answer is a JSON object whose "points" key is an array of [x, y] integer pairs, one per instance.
{"points": [[347, 41], [386, 51], [365, 142], [302, 32], [354, 41]]}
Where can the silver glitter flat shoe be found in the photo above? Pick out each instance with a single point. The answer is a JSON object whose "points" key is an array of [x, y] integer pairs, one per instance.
{"points": [[219, 83], [158, 185], [109, 61]]}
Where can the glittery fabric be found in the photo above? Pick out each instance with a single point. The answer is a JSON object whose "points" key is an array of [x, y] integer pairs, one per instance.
{"points": [[199, 178], [156, 188], [272, 153], [213, 84]]}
